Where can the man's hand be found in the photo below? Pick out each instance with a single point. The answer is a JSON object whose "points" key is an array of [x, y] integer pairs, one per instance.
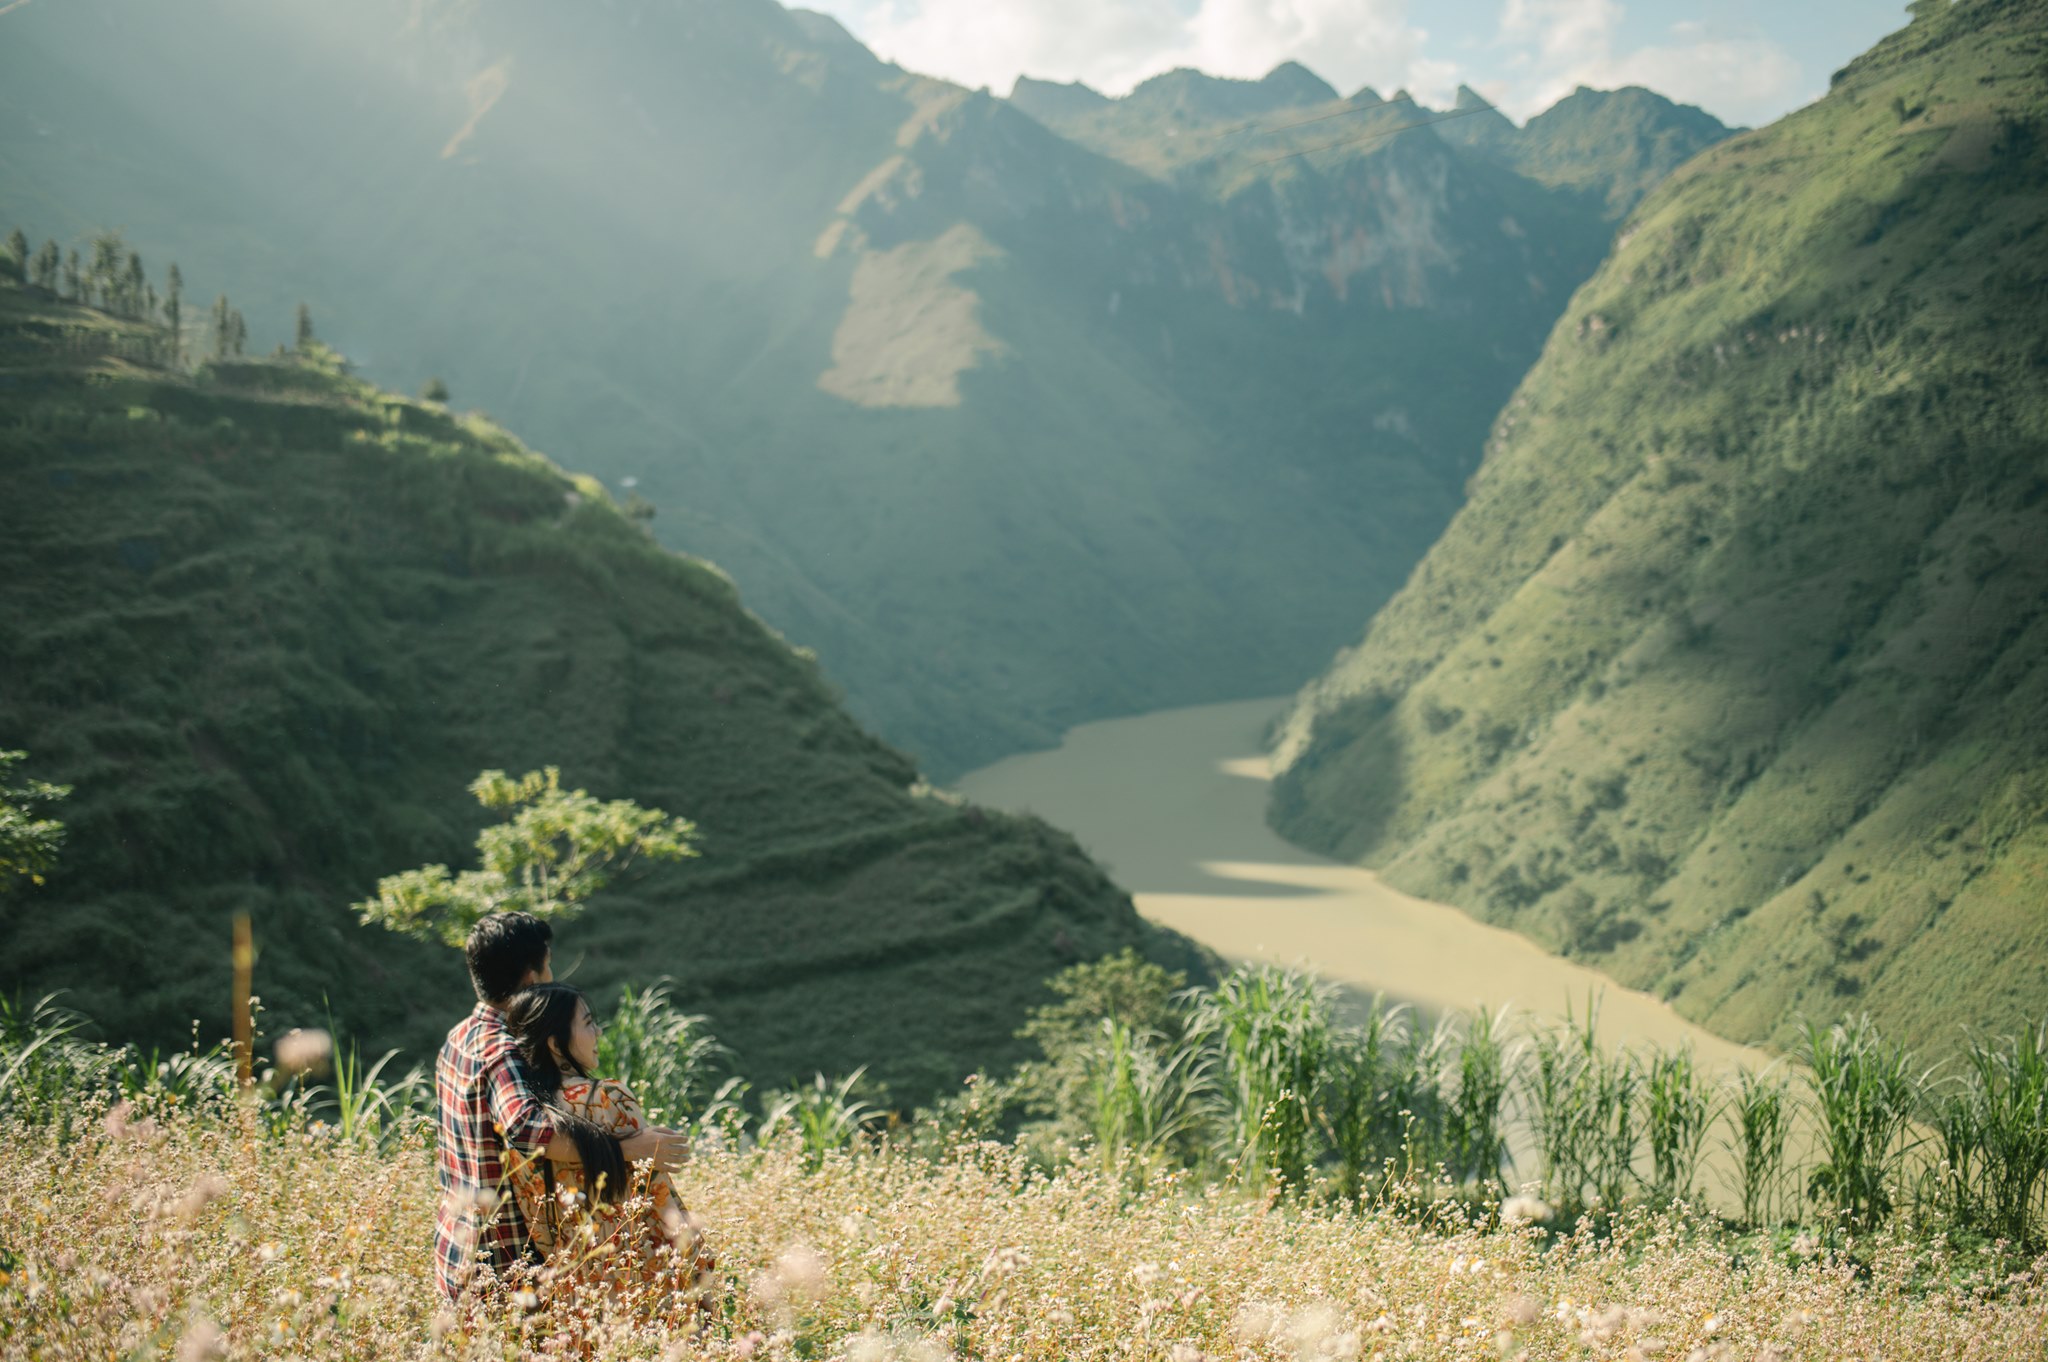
{"points": [[667, 1149]]}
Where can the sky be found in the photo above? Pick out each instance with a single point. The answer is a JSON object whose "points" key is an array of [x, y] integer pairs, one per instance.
{"points": [[1745, 61]]}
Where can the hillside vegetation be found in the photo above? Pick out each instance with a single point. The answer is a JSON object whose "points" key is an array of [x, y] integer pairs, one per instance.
{"points": [[1732, 676], [293, 1220], [269, 621], [1016, 432]]}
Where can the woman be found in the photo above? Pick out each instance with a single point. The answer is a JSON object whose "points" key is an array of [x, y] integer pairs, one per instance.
{"points": [[603, 1224]]}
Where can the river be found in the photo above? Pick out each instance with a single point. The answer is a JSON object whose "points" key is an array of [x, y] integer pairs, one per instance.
{"points": [[1173, 804]]}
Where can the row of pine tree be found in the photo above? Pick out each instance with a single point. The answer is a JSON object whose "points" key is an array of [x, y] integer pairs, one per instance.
{"points": [[108, 275]]}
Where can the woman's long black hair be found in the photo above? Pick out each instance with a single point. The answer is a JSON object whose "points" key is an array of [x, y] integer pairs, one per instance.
{"points": [[547, 1012]]}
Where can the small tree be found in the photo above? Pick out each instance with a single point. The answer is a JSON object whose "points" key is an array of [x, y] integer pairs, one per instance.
{"points": [[49, 260], [305, 329], [28, 840], [223, 327], [174, 311], [104, 278], [554, 850], [135, 289], [74, 278], [238, 332], [434, 390], [17, 252]]}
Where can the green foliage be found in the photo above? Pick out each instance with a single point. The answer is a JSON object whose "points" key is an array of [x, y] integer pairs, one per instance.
{"points": [[374, 1111], [1583, 1101], [1679, 1110], [670, 1060], [28, 841], [1760, 1108], [1381, 1108], [1865, 1095], [1992, 1122], [554, 850], [822, 1116], [1127, 989], [1154, 1110], [43, 270], [1144, 1097], [1273, 1034], [1476, 1147], [434, 390], [47, 1071]]}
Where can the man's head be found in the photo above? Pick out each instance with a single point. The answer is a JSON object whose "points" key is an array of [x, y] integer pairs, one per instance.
{"points": [[508, 952]]}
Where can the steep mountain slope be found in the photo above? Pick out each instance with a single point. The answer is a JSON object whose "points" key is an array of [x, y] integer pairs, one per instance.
{"points": [[271, 621], [1732, 676], [1013, 433]]}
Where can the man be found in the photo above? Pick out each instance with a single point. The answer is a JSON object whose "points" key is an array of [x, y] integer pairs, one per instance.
{"points": [[489, 1118]]}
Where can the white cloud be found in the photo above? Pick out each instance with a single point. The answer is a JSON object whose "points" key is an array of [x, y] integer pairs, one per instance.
{"points": [[1743, 80], [1114, 44], [1347, 42], [1539, 49], [1557, 45], [1108, 43]]}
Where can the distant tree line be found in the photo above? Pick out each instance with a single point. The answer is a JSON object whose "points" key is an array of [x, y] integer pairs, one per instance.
{"points": [[110, 276], [107, 274]]}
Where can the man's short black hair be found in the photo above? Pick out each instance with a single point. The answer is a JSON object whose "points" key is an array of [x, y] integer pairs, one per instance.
{"points": [[501, 949]]}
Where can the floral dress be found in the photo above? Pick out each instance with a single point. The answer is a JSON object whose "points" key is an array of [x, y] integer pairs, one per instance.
{"points": [[648, 1245]]}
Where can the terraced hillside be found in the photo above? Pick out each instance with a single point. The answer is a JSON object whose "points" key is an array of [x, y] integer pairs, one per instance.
{"points": [[1732, 676], [269, 621]]}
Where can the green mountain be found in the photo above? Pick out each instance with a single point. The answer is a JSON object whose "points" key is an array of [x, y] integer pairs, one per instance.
{"points": [[1611, 146], [269, 622], [1014, 430], [1732, 675]]}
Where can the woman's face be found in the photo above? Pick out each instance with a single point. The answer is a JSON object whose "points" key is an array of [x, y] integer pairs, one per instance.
{"points": [[583, 1039]]}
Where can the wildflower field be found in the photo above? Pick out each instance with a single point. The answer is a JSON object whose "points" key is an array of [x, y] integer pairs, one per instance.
{"points": [[148, 1208], [200, 1236]]}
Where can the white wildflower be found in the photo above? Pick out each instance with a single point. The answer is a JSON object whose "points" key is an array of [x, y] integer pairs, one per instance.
{"points": [[304, 1050], [201, 1341], [1523, 1208]]}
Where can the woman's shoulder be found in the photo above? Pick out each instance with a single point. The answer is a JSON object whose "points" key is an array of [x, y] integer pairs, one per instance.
{"points": [[600, 1095]]}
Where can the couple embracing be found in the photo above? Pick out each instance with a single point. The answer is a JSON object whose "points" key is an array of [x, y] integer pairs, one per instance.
{"points": [[550, 1176]]}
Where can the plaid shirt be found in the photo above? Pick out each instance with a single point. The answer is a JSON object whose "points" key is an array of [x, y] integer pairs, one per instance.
{"points": [[489, 1118]]}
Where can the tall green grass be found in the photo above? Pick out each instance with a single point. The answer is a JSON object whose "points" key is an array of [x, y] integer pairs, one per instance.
{"points": [[372, 1110], [823, 1116], [1680, 1110], [1262, 1083], [1146, 1096], [1379, 1081], [1759, 1107], [1475, 1136], [668, 1057], [1865, 1093], [1992, 1124], [1582, 1101], [1272, 1034]]}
